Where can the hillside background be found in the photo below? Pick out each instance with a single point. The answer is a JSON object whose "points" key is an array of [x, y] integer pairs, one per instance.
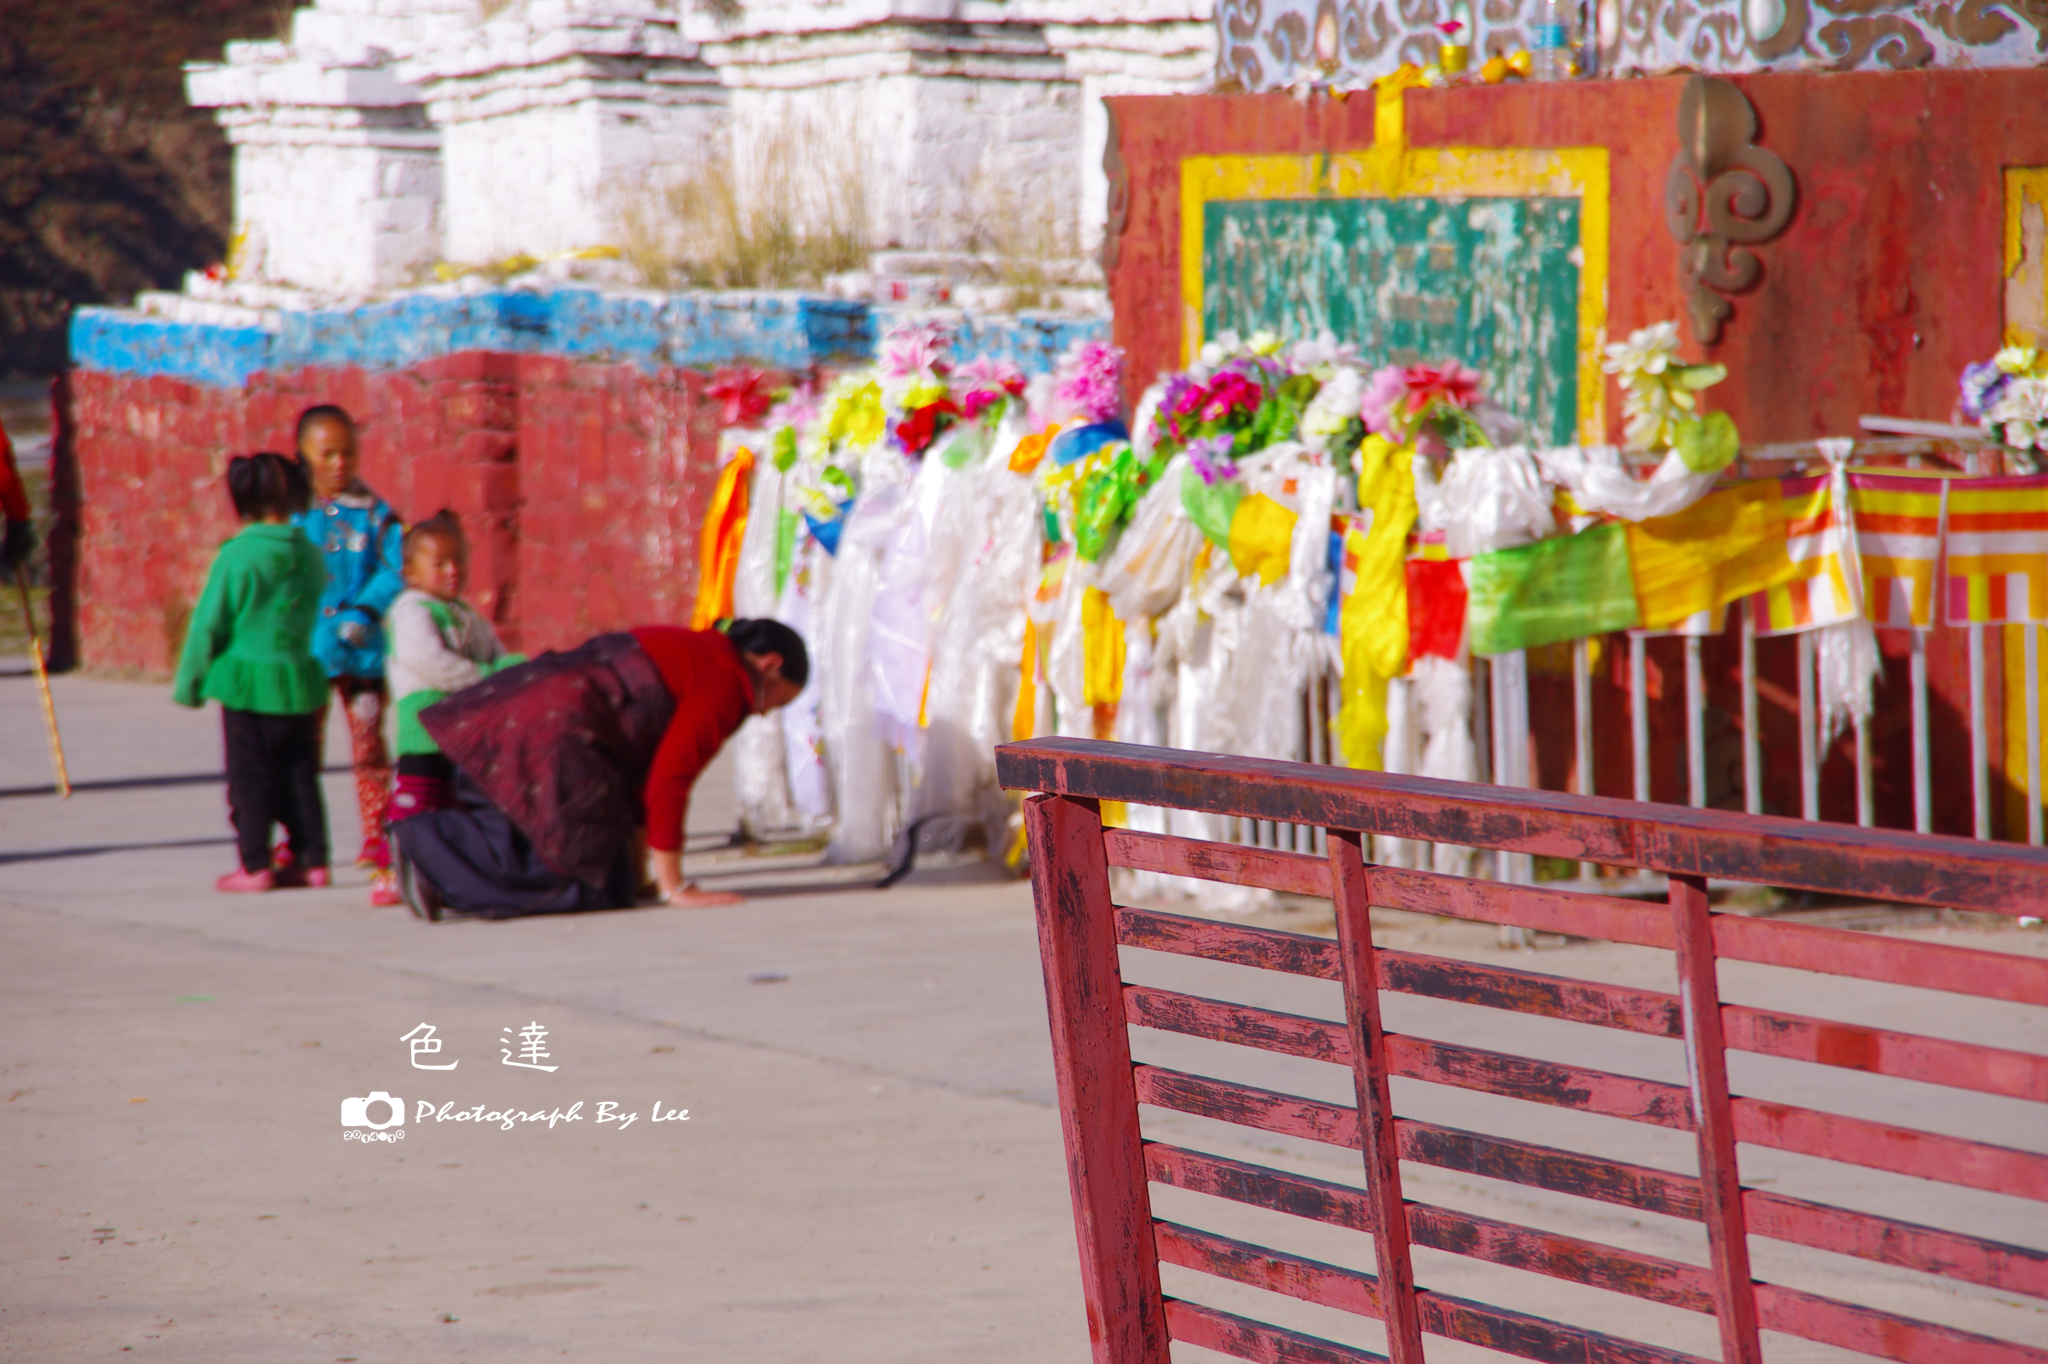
{"points": [[108, 182]]}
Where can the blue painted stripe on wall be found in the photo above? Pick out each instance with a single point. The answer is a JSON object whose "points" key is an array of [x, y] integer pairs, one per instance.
{"points": [[694, 330]]}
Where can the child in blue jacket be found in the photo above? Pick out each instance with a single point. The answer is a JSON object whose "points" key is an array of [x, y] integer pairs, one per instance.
{"points": [[362, 540]]}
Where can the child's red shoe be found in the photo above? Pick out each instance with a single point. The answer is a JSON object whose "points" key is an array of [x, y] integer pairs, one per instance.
{"points": [[245, 882], [384, 890], [375, 854], [304, 878]]}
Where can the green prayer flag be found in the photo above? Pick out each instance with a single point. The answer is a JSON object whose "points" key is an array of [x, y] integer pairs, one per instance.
{"points": [[1569, 587]]}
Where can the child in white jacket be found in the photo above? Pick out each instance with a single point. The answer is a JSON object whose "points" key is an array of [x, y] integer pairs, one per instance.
{"points": [[439, 644]]}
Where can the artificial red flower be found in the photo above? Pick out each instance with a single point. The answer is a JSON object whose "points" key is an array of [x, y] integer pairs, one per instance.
{"points": [[1449, 381], [742, 394], [918, 429]]}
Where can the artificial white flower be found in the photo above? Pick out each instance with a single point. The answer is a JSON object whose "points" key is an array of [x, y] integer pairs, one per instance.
{"points": [[2023, 400], [1322, 357], [1647, 351], [1334, 407], [1263, 343], [1226, 346]]}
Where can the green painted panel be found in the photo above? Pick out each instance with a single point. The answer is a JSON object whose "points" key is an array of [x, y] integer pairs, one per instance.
{"points": [[1491, 283]]}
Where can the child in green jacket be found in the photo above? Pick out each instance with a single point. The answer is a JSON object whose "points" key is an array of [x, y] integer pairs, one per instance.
{"points": [[249, 647]]}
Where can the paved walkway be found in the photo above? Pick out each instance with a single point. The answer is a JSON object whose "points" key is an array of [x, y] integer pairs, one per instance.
{"points": [[871, 1166]]}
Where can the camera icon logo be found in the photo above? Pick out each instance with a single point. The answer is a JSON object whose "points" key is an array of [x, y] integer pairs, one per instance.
{"points": [[356, 1112]]}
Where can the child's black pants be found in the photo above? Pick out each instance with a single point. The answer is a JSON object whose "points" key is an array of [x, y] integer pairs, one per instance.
{"points": [[274, 778]]}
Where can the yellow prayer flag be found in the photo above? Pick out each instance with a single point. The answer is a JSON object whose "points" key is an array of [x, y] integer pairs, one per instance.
{"points": [[1262, 538], [1727, 545], [1372, 626]]}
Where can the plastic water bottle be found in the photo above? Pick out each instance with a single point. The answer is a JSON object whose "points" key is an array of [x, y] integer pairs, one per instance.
{"points": [[1554, 38]]}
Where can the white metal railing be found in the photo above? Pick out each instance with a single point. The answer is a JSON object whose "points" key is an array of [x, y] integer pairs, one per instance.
{"points": [[1502, 736]]}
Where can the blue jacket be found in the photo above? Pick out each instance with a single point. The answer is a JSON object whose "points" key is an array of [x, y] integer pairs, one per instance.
{"points": [[362, 540]]}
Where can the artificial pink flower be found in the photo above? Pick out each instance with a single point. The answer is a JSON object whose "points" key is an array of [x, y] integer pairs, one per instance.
{"points": [[1383, 390], [987, 372], [1090, 382], [1227, 393], [915, 349]]}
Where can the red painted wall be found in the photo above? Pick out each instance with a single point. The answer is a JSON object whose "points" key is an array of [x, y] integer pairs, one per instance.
{"points": [[580, 485], [1886, 281], [1884, 284]]}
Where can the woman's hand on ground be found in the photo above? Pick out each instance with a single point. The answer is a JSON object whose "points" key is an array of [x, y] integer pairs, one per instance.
{"points": [[688, 896]]}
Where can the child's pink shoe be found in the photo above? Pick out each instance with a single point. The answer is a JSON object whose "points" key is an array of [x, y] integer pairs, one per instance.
{"points": [[240, 882], [384, 890], [375, 854], [282, 857], [304, 878]]}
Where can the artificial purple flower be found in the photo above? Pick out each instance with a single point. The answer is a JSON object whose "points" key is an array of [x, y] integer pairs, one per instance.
{"points": [[1210, 458], [1090, 383], [1983, 385]]}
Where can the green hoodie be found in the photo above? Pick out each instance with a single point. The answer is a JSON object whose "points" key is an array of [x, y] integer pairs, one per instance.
{"points": [[250, 644]]}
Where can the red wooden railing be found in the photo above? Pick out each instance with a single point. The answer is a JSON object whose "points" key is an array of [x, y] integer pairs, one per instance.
{"points": [[1113, 1166]]}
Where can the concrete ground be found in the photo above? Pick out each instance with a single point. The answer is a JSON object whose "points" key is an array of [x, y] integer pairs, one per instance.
{"points": [[870, 1169]]}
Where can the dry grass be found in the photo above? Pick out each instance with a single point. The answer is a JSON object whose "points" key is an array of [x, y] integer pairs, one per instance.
{"points": [[1022, 234], [785, 211]]}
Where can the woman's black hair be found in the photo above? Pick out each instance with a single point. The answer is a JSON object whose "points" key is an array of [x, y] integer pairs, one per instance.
{"points": [[443, 525], [772, 637], [325, 412], [268, 482]]}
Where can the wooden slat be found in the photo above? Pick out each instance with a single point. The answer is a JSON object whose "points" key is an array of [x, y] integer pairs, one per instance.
{"points": [[1884, 1146], [1880, 1051], [1930, 1250], [1233, 863], [1884, 1334], [1497, 987], [1546, 1167], [1222, 1021], [1873, 956], [1502, 1243], [1544, 1082], [1351, 1290], [1572, 913], [1242, 1338], [1884, 864], [1269, 949], [1347, 1290], [1092, 1065], [1556, 1256], [1248, 1106]]}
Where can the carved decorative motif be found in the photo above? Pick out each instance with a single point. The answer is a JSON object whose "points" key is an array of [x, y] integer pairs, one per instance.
{"points": [[1268, 44], [1722, 195]]}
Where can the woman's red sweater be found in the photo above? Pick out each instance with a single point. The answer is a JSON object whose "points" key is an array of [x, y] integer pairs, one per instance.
{"points": [[714, 695]]}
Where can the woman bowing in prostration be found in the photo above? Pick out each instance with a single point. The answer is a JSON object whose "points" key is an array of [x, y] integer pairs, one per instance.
{"points": [[560, 760]]}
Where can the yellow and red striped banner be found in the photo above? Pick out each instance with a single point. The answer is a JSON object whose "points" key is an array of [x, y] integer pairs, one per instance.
{"points": [[1898, 538], [1997, 548], [1822, 594]]}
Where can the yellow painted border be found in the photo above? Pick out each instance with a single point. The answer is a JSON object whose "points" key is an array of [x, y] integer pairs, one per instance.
{"points": [[2021, 184], [1391, 169]]}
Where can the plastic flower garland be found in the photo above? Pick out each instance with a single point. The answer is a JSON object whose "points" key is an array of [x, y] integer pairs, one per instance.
{"points": [[1660, 398], [2008, 396]]}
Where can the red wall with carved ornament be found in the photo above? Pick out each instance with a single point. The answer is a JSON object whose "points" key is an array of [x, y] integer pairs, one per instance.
{"points": [[1885, 282]]}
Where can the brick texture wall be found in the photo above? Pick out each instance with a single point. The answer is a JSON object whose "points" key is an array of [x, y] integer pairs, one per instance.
{"points": [[581, 486]]}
